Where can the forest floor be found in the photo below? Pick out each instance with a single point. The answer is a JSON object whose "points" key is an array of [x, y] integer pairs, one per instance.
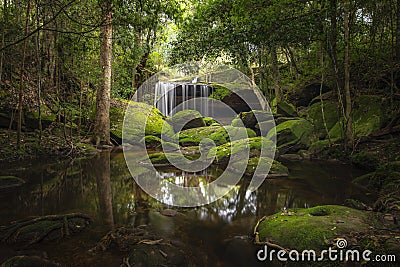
{"points": [[50, 145]]}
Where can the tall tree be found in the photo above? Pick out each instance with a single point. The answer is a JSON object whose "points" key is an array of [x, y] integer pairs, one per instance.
{"points": [[22, 70], [348, 120], [102, 117]]}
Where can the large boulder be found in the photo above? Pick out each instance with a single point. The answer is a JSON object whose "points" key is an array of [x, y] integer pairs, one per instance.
{"points": [[369, 115], [219, 134], [286, 109], [313, 228], [302, 96], [266, 167], [321, 114], [186, 119], [255, 120], [233, 150], [155, 143], [143, 120], [293, 135]]}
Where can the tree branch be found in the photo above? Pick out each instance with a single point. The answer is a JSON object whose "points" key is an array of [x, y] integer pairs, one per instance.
{"points": [[38, 28]]}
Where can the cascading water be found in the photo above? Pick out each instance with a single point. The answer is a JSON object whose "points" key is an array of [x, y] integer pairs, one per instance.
{"points": [[171, 97]]}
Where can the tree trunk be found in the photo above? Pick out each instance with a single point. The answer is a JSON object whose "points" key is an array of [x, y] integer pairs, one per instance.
{"points": [[348, 120], [333, 32], [3, 33], [39, 69], [102, 168], [22, 70], [397, 12], [275, 75], [102, 118]]}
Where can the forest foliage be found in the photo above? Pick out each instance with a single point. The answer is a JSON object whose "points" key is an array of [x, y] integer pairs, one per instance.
{"points": [[50, 49]]}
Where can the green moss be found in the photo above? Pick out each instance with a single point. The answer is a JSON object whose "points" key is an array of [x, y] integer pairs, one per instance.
{"points": [[251, 118], [312, 228], [141, 118], [186, 119], [220, 92], [254, 144], [154, 142], [151, 141], [319, 146], [293, 131], [369, 115], [210, 122], [266, 166], [331, 114], [219, 134], [286, 109]]}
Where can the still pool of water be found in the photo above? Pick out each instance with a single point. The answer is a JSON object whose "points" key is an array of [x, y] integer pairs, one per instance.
{"points": [[103, 188]]}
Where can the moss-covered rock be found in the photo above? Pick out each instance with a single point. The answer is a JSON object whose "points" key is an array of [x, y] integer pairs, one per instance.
{"points": [[151, 141], [263, 128], [186, 119], [294, 132], [369, 115], [220, 135], [220, 92], [318, 146], [251, 118], [286, 109], [10, 181], [46, 116], [154, 142], [331, 115], [210, 122], [266, 166], [234, 149], [303, 95], [143, 119], [311, 228]]}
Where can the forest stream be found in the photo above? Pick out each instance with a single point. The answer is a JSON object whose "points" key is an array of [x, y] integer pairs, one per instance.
{"points": [[112, 199]]}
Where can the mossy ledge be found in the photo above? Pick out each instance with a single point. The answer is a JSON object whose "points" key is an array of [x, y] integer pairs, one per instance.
{"points": [[311, 228]]}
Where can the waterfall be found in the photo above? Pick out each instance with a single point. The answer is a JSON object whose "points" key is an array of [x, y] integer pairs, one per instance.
{"points": [[169, 95]]}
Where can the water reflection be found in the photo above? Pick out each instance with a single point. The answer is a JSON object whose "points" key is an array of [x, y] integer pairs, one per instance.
{"points": [[103, 188], [101, 167]]}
